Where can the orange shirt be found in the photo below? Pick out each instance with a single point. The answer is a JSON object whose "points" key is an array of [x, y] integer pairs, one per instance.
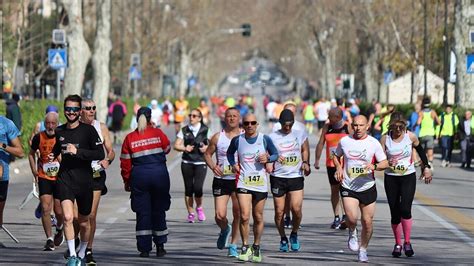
{"points": [[181, 110]]}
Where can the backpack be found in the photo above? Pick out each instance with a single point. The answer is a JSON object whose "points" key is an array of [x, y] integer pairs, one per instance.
{"points": [[117, 113]]}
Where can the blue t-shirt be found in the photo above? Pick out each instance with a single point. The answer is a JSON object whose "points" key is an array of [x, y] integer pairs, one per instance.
{"points": [[267, 143], [8, 131]]}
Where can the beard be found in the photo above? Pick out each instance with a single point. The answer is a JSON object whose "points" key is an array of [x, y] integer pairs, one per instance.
{"points": [[70, 121]]}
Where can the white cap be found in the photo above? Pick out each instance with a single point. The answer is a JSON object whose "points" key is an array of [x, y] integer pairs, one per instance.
{"points": [[154, 102], [352, 101]]}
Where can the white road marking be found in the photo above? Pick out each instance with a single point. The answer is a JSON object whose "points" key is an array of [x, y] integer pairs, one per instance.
{"points": [[98, 232], [122, 210], [111, 220]]}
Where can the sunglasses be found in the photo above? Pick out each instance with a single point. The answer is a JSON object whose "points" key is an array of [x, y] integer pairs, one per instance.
{"points": [[248, 123], [72, 109], [88, 108], [398, 127], [194, 116]]}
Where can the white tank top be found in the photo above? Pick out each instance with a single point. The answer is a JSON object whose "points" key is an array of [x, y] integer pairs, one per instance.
{"points": [[252, 175], [221, 156], [402, 152], [288, 146], [96, 167]]}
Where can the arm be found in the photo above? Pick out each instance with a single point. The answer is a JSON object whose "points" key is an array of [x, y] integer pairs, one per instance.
{"points": [[208, 155], [109, 149], [179, 146], [32, 157], [95, 149], [126, 163], [371, 119], [14, 148], [378, 125], [320, 146], [271, 149], [336, 159], [426, 173], [381, 158], [349, 117], [234, 144], [305, 155], [435, 117]]}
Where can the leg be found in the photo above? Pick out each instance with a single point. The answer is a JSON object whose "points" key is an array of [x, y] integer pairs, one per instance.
{"points": [[68, 212], [335, 199], [351, 208], [220, 204], [199, 177], [3, 196], [58, 212], [46, 205], [464, 151], [367, 216], [245, 204], [257, 213], [393, 190], [450, 148], [296, 201], [93, 216], [280, 206], [188, 177], [85, 232], [236, 218], [408, 189]]}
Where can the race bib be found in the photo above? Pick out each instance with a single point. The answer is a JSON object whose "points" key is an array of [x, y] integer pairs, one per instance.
{"points": [[227, 169], [400, 168], [96, 167], [291, 160], [332, 151], [254, 179], [356, 171], [51, 169]]}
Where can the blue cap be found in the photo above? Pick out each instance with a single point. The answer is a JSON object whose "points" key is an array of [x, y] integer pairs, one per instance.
{"points": [[51, 108]]}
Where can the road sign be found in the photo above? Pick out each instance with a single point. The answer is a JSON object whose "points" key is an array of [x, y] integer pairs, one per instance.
{"points": [[134, 73], [57, 58], [470, 64], [135, 59], [59, 36]]}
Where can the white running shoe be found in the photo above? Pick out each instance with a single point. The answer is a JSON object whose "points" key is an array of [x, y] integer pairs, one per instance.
{"points": [[353, 241], [363, 256]]}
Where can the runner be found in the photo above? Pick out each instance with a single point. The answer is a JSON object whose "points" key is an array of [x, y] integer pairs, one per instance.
{"points": [[363, 155], [428, 119], [400, 179], [286, 178], [224, 186], [9, 145], [331, 134], [181, 110], [254, 150], [192, 141], [45, 171], [144, 172], [78, 145], [88, 113]]}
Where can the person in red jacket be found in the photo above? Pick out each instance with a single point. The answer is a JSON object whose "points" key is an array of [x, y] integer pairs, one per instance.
{"points": [[145, 175]]}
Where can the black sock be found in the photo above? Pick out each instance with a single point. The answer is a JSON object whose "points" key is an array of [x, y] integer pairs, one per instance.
{"points": [[284, 239], [255, 247], [293, 233]]}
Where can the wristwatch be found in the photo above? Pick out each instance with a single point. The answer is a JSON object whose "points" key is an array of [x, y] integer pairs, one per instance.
{"points": [[4, 146]]}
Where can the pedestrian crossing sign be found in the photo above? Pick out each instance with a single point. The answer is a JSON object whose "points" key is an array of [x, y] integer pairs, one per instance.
{"points": [[470, 64], [57, 58]]}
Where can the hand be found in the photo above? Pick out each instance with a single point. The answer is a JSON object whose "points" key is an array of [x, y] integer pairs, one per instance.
{"points": [[217, 170], [316, 165], [50, 157], [126, 186], [306, 169], [262, 158], [281, 159], [188, 148], [392, 162], [235, 168], [370, 167], [104, 163], [203, 148], [427, 175], [339, 175], [71, 149], [269, 167]]}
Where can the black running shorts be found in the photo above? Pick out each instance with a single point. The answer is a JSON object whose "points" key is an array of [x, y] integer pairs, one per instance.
{"points": [[47, 187], [3, 190], [280, 186], [221, 187], [331, 176], [256, 196], [98, 183], [82, 196], [365, 197]]}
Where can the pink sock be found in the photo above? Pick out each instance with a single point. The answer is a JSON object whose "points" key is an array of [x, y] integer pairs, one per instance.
{"points": [[397, 233], [406, 224]]}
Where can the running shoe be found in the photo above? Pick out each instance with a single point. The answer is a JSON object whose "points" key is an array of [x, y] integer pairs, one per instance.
{"points": [[256, 254], [336, 223], [144, 254], [54, 221], [294, 243], [74, 261], [58, 237], [233, 252], [38, 211], [160, 250], [343, 224], [191, 218], [397, 251], [288, 222], [408, 249], [77, 243], [245, 254], [284, 246], [224, 237], [201, 215], [49, 246], [89, 258], [353, 241], [363, 256]]}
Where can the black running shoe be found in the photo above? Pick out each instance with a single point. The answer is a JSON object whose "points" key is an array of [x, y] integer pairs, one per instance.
{"points": [[336, 223], [287, 222], [408, 249], [58, 238], [160, 250], [89, 258], [144, 254], [49, 246], [343, 224], [397, 251]]}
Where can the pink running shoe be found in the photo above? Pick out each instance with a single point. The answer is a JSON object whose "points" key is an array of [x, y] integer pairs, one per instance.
{"points": [[191, 218], [201, 215]]}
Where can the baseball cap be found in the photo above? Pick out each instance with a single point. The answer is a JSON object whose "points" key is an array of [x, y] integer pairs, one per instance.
{"points": [[286, 116], [154, 102], [51, 108], [144, 111]]}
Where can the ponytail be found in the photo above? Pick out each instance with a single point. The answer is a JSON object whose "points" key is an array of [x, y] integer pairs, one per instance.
{"points": [[142, 123]]}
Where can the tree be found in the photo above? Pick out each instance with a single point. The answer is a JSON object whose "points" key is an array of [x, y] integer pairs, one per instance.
{"points": [[78, 50]]}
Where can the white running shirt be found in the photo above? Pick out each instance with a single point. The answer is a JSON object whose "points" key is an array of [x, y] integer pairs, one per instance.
{"points": [[401, 152], [96, 167], [252, 175], [357, 155], [221, 156], [289, 146]]}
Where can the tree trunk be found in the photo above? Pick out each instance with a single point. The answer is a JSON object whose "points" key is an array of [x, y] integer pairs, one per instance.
{"points": [[184, 69], [78, 50], [464, 15], [370, 76], [330, 68], [101, 59]]}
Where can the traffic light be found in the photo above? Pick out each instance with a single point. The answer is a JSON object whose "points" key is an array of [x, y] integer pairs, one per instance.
{"points": [[246, 30]]}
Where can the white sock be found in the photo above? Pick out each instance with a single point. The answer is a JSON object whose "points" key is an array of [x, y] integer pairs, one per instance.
{"points": [[82, 249], [72, 248], [50, 238], [363, 250]]}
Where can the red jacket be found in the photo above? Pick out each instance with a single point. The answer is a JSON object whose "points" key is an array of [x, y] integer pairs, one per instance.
{"points": [[146, 150]]}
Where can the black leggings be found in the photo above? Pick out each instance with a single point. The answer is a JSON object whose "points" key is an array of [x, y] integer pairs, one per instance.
{"points": [[400, 192], [193, 176]]}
